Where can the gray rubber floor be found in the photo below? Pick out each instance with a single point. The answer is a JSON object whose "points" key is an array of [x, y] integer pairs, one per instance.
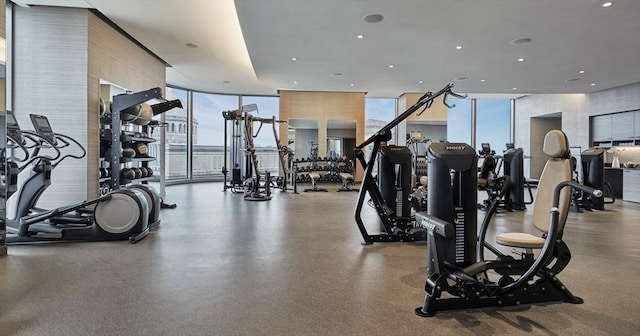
{"points": [[219, 265]]}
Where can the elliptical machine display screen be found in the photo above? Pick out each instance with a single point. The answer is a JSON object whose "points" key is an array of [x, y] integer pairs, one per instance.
{"points": [[42, 127], [13, 129]]}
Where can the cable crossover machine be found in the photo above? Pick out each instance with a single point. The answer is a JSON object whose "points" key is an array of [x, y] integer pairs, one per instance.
{"points": [[245, 174], [390, 191]]}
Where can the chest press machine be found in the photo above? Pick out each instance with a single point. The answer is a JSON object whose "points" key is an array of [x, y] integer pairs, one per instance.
{"points": [[458, 276]]}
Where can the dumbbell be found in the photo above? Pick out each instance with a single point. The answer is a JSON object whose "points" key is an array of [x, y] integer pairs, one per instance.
{"points": [[149, 171], [128, 173], [138, 172]]}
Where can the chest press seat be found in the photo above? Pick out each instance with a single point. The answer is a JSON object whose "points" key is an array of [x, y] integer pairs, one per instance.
{"points": [[556, 170]]}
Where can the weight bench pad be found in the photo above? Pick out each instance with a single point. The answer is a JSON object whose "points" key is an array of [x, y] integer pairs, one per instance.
{"points": [[518, 239], [346, 176], [314, 176]]}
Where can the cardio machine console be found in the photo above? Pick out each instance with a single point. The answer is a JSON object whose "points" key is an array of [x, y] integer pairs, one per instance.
{"points": [[13, 129], [43, 127]]}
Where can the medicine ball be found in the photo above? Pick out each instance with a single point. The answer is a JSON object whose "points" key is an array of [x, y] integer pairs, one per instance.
{"points": [[131, 113], [128, 174], [141, 149], [128, 152], [144, 116]]}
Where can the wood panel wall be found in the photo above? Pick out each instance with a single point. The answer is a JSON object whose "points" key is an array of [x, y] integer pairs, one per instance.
{"points": [[60, 56], [323, 106], [114, 58]]}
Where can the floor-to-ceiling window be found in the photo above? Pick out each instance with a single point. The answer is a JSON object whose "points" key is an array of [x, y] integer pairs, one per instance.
{"points": [[459, 120], [493, 123], [208, 133], [176, 139], [378, 112]]}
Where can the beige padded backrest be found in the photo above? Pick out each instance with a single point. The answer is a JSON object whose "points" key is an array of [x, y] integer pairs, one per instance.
{"points": [[556, 170]]}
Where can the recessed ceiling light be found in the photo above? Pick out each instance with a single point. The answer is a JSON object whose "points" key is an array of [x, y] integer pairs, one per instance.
{"points": [[373, 18], [191, 45], [295, 82], [515, 88], [294, 58], [593, 84], [459, 47], [360, 36], [581, 71], [391, 66], [420, 82], [607, 4], [520, 41], [483, 80], [352, 84], [520, 59]]}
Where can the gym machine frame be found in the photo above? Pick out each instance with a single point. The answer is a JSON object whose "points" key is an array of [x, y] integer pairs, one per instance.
{"points": [[396, 229], [121, 103]]}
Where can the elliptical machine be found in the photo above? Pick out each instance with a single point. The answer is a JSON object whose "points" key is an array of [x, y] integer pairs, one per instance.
{"points": [[118, 215]]}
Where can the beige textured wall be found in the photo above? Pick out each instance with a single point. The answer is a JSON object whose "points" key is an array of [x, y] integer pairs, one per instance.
{"points": [[323, 106], [114, 58]]}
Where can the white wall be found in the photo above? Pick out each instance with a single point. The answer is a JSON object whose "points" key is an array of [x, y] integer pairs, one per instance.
{"points": [[575, 109]]}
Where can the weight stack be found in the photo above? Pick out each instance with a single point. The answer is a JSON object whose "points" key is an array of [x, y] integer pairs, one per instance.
{"points": [[452, 197]]}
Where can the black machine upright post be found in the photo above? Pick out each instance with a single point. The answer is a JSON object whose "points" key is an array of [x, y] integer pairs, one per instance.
{"points": [[593, 176], [452, 197], [514, 167]]}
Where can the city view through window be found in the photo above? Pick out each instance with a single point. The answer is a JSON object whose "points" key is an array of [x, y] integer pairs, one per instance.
{"points": [[201, 120]]}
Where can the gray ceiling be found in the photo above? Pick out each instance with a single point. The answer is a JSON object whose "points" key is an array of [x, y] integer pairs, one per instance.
{"points": [[251, 51]]}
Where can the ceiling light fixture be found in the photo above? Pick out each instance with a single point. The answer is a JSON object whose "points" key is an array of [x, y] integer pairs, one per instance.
{"points": [[483, 80], [391, 66], [373, 18], [520, 59], [581, 71], [515, 88], [520, 41], [459, 47], [573, 80], [593, 84], [295, 82], [337, 74], [420, 82], [607, 4], [360, 36], [191, 45], [294, 58], [459, 79], [352, 84]]}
